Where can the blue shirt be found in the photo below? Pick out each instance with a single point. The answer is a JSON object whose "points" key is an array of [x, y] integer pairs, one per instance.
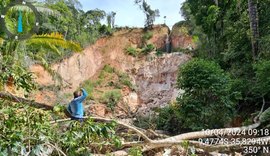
{"points": [[75, 107]]}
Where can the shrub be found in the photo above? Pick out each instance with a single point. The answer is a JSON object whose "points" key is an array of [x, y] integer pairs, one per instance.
{"points": [[262, 70], [146, 122], [125, 80], [28, 131], [21, 124], [102, 75], [79, 137], [147, 35], [107, 68], [105, 30], [207, 101], [111, 98], [169, 119], [148, 48], [131, 51], [159, 53]]}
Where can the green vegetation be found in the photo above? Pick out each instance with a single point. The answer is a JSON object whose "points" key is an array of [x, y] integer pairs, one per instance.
{"points": [[262, 69], [13, 74], [111, 98], [140, 52], [147, 35], [159, 53], [124, 79], [108, 69], [146, 122], [63, 17], [149, 13], [77, 25], [28, 20], [135, 151], [228, 76], [236, 80], [88, 133], [106, 88], [169, 119], [148, 48], [28, 130], [14, 52], [208, 101], [131, 51], [111, 19]]}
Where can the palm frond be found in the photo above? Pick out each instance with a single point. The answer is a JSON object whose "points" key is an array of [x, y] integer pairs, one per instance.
{"points": [[11, 24], [48, 11], [48, 47], [53, 48], [53, 40], [41, 9]]}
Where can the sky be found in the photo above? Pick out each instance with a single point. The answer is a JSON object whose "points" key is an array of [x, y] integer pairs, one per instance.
{"points": [[129, 14]]}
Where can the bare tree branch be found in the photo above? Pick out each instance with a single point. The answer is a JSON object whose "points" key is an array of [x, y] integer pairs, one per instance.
{"points": [[13, 98]]}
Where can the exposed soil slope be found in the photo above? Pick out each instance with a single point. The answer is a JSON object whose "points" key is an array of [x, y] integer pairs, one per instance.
{"points": [[154, 77]]}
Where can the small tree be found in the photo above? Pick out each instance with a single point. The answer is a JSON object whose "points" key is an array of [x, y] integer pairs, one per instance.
{"points": [[111, 19], [149, 13], [207, 101], [94, 17]]}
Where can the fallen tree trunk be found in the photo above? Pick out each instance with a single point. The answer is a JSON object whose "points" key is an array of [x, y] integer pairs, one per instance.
{"points": [[149, 144], [209, 147], [184, 136], [211, 133], [32, 103], [224, 148]]}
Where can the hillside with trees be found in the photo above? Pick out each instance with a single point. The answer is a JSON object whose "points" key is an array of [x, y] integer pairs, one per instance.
{"points": [[209, 96]]}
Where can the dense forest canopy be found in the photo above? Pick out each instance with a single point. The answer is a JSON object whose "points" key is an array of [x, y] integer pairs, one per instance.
{"points": [[227, 36], [235, 36]]}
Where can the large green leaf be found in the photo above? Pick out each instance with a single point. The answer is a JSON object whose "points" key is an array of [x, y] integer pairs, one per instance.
{"points": [[41, 9], [53, 40]]}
